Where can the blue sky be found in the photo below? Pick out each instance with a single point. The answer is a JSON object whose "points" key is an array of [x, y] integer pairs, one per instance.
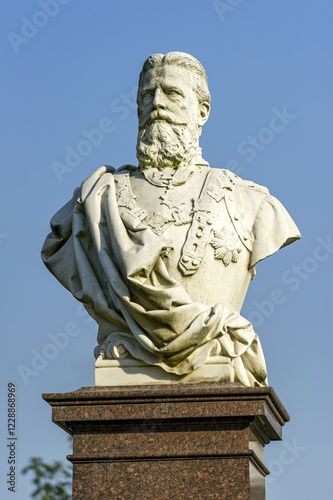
{"points": [[74, 68]]}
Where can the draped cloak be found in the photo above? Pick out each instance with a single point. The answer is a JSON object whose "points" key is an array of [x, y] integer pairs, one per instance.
{"points": [[113, 263]]}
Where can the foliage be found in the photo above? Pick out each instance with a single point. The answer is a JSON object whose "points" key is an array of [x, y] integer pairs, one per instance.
{"points": [[51, 481]]}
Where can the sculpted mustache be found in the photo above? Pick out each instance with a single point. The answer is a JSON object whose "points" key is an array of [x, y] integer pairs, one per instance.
{"points": [[158, 115]]}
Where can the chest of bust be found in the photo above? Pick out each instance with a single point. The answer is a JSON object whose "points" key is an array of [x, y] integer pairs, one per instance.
{"points": [[220, 259]]}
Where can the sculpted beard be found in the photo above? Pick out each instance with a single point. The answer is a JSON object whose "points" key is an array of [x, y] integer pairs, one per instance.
{"points": [[163, 144]]}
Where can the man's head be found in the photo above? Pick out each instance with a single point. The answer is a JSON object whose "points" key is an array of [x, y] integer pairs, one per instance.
{"points": [[173, 105]]}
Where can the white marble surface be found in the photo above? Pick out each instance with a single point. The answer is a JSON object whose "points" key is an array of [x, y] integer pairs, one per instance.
{"points": [[162, 254], [112, 372]]}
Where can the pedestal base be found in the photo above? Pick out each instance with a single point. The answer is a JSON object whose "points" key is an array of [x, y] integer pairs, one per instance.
{"points": [[129, 371], [169, 441]]}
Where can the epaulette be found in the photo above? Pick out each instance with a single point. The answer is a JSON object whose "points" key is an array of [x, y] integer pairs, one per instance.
{"points": [[236, 203], [245, 183]]}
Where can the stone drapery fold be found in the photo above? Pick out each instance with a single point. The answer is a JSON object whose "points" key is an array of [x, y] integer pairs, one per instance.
{"points": [[115, 266]]}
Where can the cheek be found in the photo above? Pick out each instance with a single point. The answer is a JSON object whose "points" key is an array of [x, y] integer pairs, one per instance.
{"points": [[182, 108]]}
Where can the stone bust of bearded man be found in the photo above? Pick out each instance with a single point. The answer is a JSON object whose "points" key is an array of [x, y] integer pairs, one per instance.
{"points": [[162, 254]]}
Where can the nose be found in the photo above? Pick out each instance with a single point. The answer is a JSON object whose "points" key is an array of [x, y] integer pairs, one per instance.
{"points": [[159, 99]]}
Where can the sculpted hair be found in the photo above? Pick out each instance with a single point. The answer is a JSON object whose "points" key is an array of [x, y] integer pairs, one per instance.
{"points": [[195, 68]]}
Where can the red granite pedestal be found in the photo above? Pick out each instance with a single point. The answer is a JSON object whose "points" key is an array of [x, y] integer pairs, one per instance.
{"points": [[186, 441]]}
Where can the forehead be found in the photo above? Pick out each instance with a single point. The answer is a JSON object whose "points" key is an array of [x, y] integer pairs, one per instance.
{"points": [[169, 75]]}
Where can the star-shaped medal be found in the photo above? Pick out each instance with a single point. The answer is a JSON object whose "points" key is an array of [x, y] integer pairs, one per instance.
{"points": [[226, 246]]}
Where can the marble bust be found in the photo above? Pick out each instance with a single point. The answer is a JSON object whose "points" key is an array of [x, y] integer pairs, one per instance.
{"points": [[162, 254]]}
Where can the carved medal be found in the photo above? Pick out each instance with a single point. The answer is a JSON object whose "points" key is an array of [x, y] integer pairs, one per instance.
{"points": [[226, 246]]}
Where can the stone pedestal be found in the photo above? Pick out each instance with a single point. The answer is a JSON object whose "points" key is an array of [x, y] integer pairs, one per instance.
{"points": [[169, 441]]}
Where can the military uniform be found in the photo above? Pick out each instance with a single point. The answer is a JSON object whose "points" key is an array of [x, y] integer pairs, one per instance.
{"points": [[162, 261], [215, 223]]}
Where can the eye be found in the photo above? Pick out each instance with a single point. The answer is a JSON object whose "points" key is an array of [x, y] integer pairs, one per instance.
{"points": [[146, 96], [173, 93]]}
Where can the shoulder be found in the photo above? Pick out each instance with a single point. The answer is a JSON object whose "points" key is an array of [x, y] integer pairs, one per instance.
{"points": [[106, 170], [126, 169], [246, 194], [243, 184], [261, 215], [102, 177]]}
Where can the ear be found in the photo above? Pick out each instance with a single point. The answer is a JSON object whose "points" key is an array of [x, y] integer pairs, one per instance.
{"points": [[204, 108]]}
